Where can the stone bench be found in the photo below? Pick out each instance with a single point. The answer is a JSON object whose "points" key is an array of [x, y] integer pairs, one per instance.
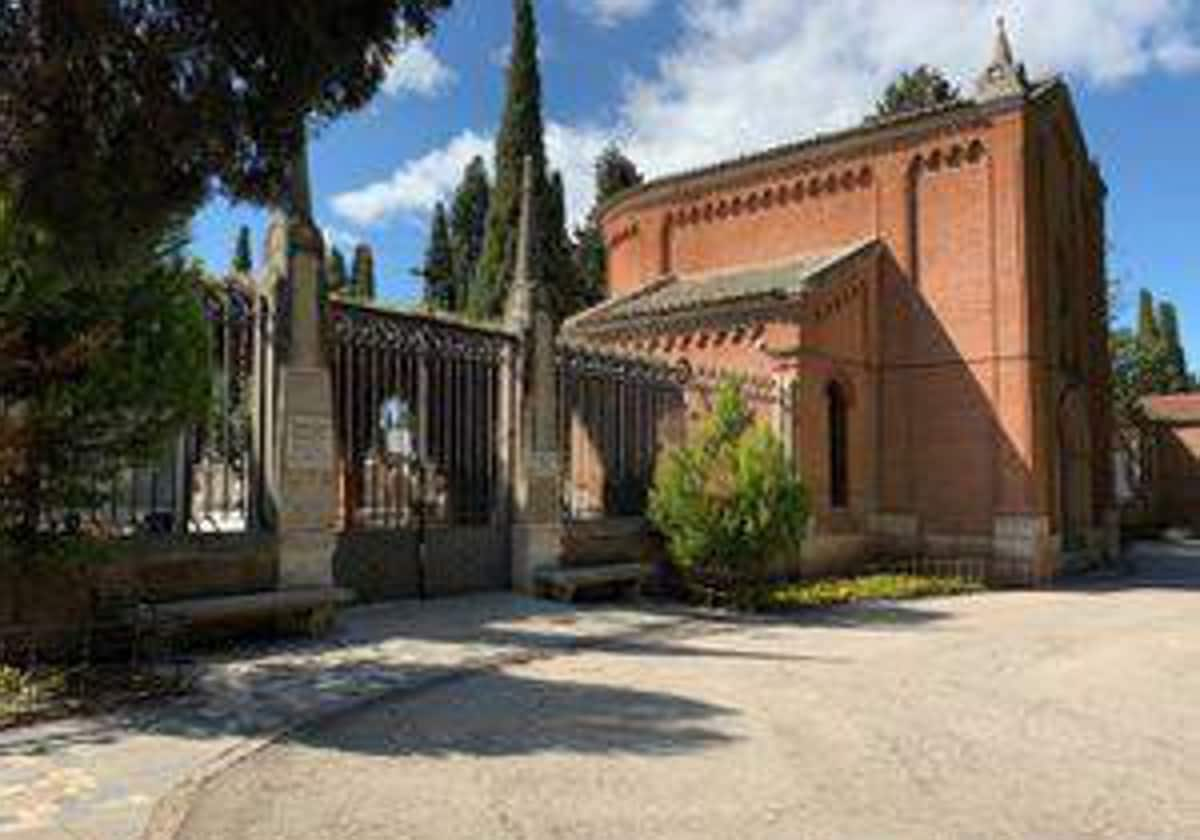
{"points": [[310, 610], [564, 583]]}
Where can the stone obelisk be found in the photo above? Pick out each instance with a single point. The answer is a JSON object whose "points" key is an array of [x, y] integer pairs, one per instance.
{"points": [[301, 457], [537, 527]]}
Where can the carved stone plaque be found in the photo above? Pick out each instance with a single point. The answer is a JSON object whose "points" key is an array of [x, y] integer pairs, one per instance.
{"points": [[310, 443]]}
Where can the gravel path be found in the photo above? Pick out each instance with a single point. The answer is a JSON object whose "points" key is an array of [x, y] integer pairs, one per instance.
{"points": [[1071, 713]]}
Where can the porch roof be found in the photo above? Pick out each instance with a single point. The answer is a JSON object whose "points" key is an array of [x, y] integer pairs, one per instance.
{"points": [[672, 294], [1173, 409]]}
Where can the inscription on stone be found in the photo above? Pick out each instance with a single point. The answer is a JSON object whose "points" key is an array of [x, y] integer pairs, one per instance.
{"points": [[310, 443]]}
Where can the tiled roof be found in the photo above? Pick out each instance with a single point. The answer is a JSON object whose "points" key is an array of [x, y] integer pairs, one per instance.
{"points": [[672, 294], [1173, 408]]}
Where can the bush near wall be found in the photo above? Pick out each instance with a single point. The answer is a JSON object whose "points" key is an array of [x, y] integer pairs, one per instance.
{"points": [[729, 503]]}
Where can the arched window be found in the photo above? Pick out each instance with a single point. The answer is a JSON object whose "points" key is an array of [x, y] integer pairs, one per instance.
{"points": [[839, 462]]}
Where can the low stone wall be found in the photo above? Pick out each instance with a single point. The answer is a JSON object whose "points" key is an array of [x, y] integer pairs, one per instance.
{"points": [[382, 565], [46, 608], [195, 567]]}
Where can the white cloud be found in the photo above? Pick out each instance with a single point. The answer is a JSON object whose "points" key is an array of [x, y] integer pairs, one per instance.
{"points": [[416, 186], [416, 69], [614, 12], [749, 73], [336, 237], [746, 74]]}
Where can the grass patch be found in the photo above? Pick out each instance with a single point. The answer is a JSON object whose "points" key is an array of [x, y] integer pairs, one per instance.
{"points": [[883, 587]]}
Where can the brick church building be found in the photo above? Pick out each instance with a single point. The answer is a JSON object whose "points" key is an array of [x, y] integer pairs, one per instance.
{"points": [[931, 288]]}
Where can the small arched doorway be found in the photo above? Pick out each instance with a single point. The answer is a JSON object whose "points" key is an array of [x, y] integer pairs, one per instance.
{"points": [[838, 445]]}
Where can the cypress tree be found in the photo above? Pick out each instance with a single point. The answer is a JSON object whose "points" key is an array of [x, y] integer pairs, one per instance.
{"points": [[564, 287], [439, 264], [1176, 359], [521, 134], [363, 273], [337, 271], [468, 224], [1148, 330], [243, 262]]}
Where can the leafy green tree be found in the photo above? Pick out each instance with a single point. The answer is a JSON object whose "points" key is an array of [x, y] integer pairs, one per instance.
{"points": [[615, 173], [729, 503], [468, 225], [243, 261], [438, 271], [916, 90], [1178, 378], [362, 278], [521, 135], [117, 118], [99, 368], [336, 271]]}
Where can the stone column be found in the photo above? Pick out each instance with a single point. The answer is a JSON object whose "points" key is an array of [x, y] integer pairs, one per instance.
{"points": [[537, 469], [302, 463]]}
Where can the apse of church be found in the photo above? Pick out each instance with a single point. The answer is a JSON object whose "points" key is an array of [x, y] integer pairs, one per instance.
{"points": [[930, 289]]}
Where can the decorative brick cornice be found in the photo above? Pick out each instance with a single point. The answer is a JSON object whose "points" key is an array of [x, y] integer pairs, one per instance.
{"points": [[816, 156]]}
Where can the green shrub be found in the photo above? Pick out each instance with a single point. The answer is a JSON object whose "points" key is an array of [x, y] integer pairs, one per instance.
{"points": [[730, 503]]}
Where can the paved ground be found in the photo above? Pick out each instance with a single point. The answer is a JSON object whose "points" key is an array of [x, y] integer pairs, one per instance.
{"points": [[100, 779], [1071, 713]]}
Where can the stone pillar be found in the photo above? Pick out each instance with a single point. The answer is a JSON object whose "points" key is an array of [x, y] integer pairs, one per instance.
{"points": [[537, 463], [302, 462]]}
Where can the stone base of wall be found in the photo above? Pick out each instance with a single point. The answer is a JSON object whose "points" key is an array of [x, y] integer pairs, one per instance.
{"points": [[834, 556]]}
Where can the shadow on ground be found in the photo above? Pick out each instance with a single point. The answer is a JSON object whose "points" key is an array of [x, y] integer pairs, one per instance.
{"points": [[500, 713], [267, 685], [1146, 565]]}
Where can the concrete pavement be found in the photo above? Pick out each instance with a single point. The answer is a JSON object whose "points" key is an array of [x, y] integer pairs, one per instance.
{"points": [[1069, 713], [102, 778]]}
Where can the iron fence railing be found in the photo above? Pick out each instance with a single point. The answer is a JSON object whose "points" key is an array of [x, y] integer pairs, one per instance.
{"points": [[443, 379]]}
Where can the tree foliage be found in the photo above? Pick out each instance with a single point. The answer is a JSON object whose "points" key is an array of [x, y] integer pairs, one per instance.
{"points": [[521, 136], [615, 173], [468, 225], [916, 90], [118, 117], [98, 368], [729, 503], [1148, 360], [438, 271], [563, 281], [1178, 378], [362, 274], [1148, 330], [337, 280], [243, 259]]}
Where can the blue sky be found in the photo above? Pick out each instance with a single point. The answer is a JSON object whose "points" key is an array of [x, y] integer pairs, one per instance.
{"points": [[686, 82]]}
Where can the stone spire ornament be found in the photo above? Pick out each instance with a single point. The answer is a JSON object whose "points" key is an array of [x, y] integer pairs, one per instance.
{"points": [[518, 313], [1005, 76], [299, 197]]}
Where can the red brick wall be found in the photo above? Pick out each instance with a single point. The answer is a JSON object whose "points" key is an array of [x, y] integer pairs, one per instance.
{"points": [[945, 350], [1176, 475]]}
